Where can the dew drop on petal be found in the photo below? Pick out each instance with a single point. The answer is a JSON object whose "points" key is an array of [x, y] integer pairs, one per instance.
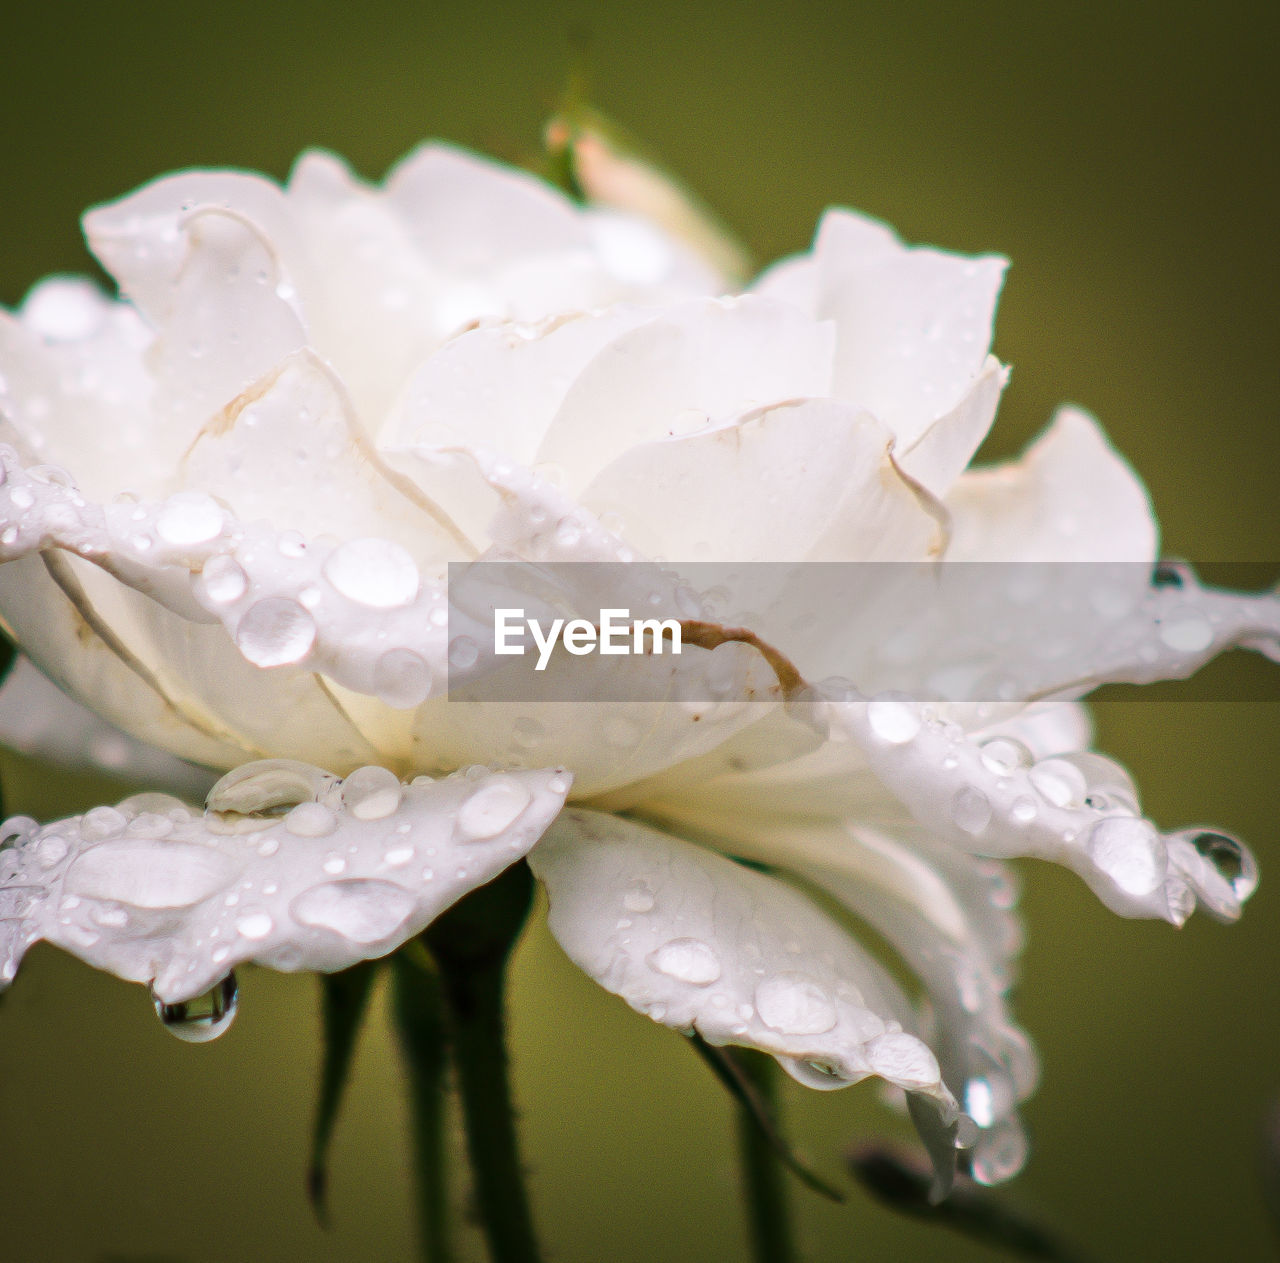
{"points": [[492, 808], [372, 793], [148, 874], [1003, 755], [311, 820], [1231, 859], [1059, 782], [1130, 852], [205, 1017], [275, 632], [792, 1004], [970, 810], [222, 580], [1023, 810], [896, 722], [638, 898], [254, 925], [687, 960], [463, 652], [190, 517], [999, 1153], [373, 572], [362, 910], [401, 678], [1186, 631], [101, 822]]}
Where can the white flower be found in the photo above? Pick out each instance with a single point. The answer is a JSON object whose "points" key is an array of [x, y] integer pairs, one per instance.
{"points": [[228, 505]]}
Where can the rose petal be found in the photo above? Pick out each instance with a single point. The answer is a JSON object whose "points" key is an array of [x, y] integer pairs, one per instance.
{"points": [[154, 893]]}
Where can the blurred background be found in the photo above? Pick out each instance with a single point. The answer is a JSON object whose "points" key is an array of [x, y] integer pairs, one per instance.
{"points": [[1124, 156]]}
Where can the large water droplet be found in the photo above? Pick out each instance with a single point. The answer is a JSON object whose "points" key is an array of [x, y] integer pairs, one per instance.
{"points": [[687, 960], [1059, 782], [1130, 852], [999, 1152], [311, 820], [372, 793], [190, 517], [1003, 755], [793, 1004], [637, 898], [373, 572], [970, 810], [401, 678], [492, 808], [893, 720], [1231, 859], [255, 925], [266, 783], [275, 632], [146, 874], [199, 1020], [101, 822], [223, 580], [1186, 631], [361, 909]]}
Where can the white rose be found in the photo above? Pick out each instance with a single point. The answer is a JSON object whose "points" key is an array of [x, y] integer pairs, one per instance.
{"points": [[230, 497]]}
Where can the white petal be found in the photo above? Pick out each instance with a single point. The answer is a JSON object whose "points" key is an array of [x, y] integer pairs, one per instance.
{"points": [[938, 457], [476, 214], [988, 803], [700, 364], [291, 452], [40, 720], [1071, 497], [140, 238], [156, 894], [700, 943], [914, 324], [499, 387], [830, 492]]}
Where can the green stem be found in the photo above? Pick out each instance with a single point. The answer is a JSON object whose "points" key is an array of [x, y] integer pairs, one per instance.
{"points": [[418, 1011], [471, 944], [769, 1214]]}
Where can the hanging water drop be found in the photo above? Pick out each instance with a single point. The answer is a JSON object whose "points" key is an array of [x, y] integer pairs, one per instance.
{"points": [[1003, 755], [203, 1018]]}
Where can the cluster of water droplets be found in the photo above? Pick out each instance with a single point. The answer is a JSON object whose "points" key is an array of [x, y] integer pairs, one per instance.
{"points": [[288, 866], [991, 796]]}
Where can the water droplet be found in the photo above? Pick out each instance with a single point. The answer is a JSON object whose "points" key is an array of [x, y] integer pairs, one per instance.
{"points": [[101, 822], [687, 960], [255, 925], [204, 1018], [463, 652], [492, 808], [334, 865], [1003, 755], [970, 810], [1023, 810], [1059, 782], [793, 1004], [401, 678], [372, 793], [979, 1102], [893, 720], [362, 910], [311, 820], [374, 572], [999, 1153], [190, 517], [1186, 631], [223, 581], [1130, 852], [275, 632], [638, 898], [1231, 859], [146, 874], [398, 856], [1172, 574]]}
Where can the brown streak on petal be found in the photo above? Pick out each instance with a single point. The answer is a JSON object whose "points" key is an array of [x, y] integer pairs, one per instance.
{"points": [[711, 635], [929, 503]]}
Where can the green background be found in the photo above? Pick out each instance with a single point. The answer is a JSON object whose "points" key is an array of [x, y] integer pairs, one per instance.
{"points": [[1125, 158]]}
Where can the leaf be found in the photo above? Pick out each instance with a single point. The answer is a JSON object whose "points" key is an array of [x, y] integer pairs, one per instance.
{"points": [[344, 1000], [726, 1066], [904, 1185]]}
